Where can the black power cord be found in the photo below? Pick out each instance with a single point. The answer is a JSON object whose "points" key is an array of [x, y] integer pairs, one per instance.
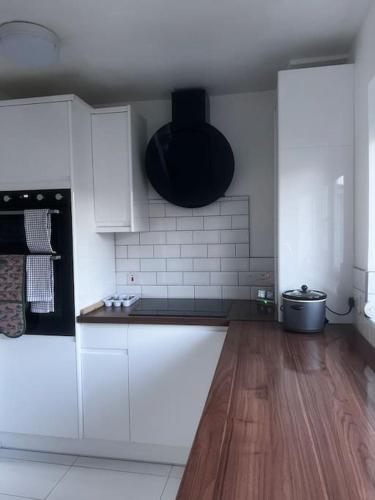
{"points": [[351, 304]]}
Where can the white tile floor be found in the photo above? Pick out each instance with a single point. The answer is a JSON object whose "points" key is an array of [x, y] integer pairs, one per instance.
{"points": [[26, 475]]}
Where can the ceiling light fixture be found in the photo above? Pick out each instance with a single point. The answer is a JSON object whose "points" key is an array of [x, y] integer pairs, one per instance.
{"points": [[28, 44]]}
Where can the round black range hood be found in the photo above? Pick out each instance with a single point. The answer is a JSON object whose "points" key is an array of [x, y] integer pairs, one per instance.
{"points": [[188, 161]]}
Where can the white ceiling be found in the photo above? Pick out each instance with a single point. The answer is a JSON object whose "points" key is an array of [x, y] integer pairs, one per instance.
{"points": [[118, 50]]}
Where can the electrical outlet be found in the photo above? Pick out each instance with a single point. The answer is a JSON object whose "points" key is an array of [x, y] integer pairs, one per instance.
{"points": [[131, 279], [262, 293]]}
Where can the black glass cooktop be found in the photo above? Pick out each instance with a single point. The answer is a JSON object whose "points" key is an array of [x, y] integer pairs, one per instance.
{"points": [[182, 307]]}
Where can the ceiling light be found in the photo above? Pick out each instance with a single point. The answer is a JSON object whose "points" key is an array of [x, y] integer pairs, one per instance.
{"points": [[28, 44]]}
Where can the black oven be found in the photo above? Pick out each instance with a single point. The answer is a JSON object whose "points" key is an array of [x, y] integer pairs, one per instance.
{"points": [[13, 241]]}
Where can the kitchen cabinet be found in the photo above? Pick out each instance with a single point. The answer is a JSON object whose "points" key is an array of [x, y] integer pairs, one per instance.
{"points": [[38, 389], [35, 144], [105, 385], [105, 395], [120, 187], [170, 373], [315, 182]]}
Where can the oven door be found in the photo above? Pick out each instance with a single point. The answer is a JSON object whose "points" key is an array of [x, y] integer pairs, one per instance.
{"points": [[13, 241]]}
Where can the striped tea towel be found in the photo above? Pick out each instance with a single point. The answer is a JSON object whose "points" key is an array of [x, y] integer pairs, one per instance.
{"points": [[38, 230], [40, 283]]}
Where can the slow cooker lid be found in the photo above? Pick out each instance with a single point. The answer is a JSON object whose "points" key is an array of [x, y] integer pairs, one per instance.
{"points": [[304, 294]]}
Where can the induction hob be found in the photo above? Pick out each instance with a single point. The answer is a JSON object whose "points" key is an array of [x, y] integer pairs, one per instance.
{"points": [[182, 307]]}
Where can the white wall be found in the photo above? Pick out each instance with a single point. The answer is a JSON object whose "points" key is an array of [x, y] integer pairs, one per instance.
{"points": [[315, 187], [247, 121], [364, 182]]}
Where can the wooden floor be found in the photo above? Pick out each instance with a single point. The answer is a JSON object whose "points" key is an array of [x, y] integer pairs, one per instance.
{"points": [[289, 417]]}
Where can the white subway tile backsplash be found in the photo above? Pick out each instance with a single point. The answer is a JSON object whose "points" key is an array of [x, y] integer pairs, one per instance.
{"points": [[234, 207], [128, 265], [121, 278], [217, 222], [180, 292], [140, 278], [262, 264], [224, 278], [129, 289], [186, 223], [212, 264], [153, 238], [174, 211], [154, 292], [157, 210], [256, 278], [221, 250], [179, 237], [195, 278], [127, 238], [143, 278], [179, 264], [213, 209], [166, 251], [206, 236], [194, 251], [236, 292], [153, 264], [208, 292], [234, 236], [235, 264], [169, 278], [121, 252], [242, 250], [163, 224], [201, 252], [240, 221], [140, 251]]}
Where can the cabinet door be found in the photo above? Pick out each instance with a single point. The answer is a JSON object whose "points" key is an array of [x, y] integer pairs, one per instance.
{"points": [[110, 145], [105, 395], [34, 146], [38, 388], [171, 370]]}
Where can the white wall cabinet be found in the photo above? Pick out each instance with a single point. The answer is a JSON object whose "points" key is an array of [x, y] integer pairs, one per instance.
{"points": [[38, 386], [170, 373], [105, 395], [120, 187], [35, 144]]}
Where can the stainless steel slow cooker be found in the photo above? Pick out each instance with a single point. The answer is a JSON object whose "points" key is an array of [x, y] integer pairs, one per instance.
{"points": [[304, 310]]}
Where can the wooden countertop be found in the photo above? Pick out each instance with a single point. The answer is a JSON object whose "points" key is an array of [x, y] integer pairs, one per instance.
{"points": [[244, 310], [288, 417]]}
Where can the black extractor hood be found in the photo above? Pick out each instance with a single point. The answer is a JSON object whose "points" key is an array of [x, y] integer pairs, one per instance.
{"points": [[188, 161]]}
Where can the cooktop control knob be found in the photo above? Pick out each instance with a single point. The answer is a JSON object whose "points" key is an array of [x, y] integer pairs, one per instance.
{"points": [[58, 196], [39, 197], [7, 198]]}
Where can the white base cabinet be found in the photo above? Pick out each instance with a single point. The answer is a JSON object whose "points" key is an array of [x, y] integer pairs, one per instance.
{"points": [[171, 370], [139, 393], [105, 395], [153, 392], [38, 386]]}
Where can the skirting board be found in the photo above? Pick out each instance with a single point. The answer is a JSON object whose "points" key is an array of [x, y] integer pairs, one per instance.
{"points": [[92, 448]]}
